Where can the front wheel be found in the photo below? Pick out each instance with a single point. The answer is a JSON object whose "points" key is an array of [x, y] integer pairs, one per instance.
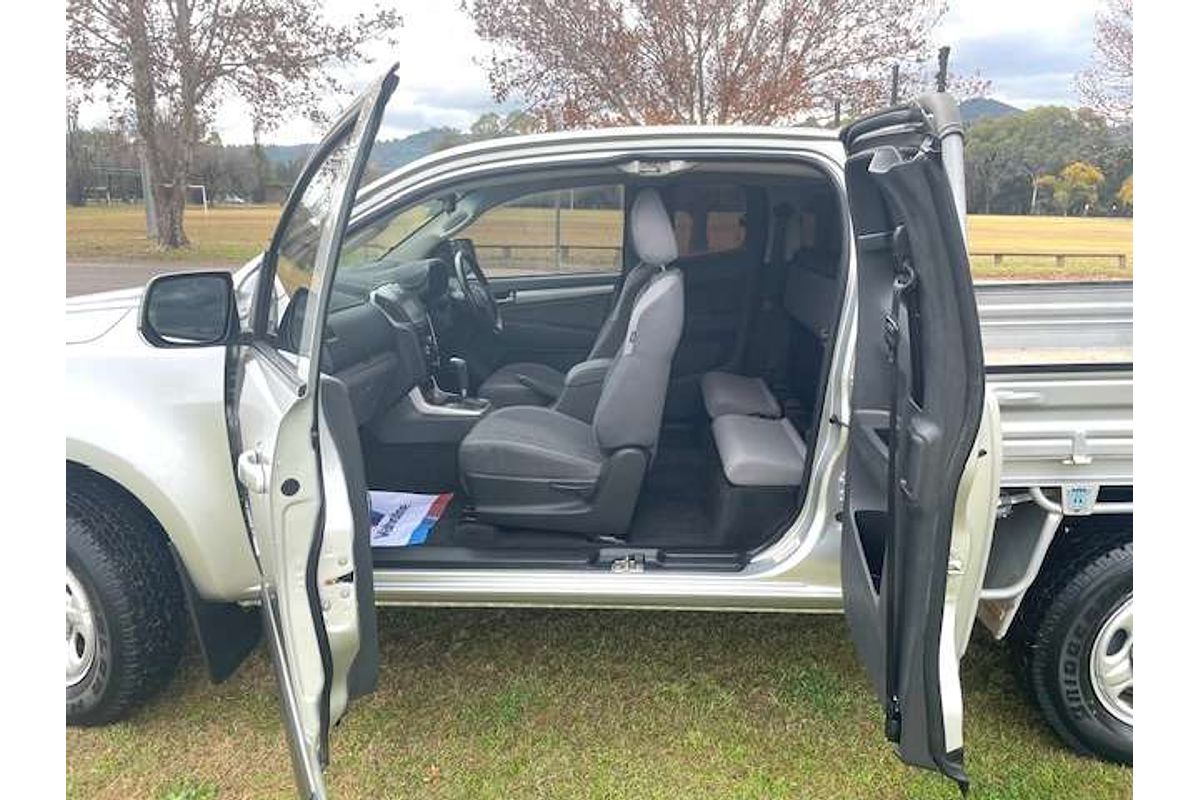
{"points": [[1079, 657], [125, 608]]}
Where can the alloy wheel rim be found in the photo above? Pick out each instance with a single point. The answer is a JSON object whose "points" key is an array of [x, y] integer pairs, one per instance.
{"points": [[81, 631], [1112, 663]]}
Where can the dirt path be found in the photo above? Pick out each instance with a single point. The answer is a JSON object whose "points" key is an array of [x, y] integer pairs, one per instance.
{"points": [[86, 277]]}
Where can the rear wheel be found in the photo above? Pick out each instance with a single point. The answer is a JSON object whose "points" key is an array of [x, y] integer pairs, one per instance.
{"points": [[1077, 654], [125, 630]]}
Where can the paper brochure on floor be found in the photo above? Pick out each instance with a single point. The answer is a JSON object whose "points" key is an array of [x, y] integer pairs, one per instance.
{"points": [[403, 519]]}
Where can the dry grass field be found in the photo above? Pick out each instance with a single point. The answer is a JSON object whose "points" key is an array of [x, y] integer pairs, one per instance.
{"points": [[231, 235], [1099, 236]]}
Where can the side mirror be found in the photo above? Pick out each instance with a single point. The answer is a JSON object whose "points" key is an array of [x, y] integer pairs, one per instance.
{"points": [[189, 309]]}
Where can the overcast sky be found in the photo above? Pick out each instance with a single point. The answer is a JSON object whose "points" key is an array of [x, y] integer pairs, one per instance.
{"points": [[1029, 49]]}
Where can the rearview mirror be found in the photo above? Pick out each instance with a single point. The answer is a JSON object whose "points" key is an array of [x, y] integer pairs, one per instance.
{"points": [[189, 309]]}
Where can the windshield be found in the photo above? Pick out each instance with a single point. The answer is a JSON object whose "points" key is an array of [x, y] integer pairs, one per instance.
{"points": [[374, 243]]}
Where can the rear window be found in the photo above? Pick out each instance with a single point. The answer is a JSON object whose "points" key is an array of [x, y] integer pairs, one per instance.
{"points": [[708, 218]]}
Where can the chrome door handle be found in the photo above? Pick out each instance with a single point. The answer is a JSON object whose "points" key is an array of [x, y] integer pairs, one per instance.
{"points": [[252, 471]]}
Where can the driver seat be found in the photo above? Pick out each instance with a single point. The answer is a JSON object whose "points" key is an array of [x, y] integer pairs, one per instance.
{"points": [[535, 467], [532, 384]]}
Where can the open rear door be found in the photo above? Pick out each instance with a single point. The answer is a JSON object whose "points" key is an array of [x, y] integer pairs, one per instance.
{"points": [[299, 467], [922, 471]]}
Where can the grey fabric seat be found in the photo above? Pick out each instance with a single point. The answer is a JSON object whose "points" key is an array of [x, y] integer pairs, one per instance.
{"points": [[534, 442], [530, 383], [535, 467], [810, 296], [523, 383], [727, 393], [759, 452]]}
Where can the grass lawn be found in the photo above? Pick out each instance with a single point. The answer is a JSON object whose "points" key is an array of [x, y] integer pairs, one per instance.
{"points": [[235, 234], [231, 234], [1096, 235], [495, 703]]}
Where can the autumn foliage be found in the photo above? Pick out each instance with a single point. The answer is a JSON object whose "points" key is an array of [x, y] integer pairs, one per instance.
{"points": [[582, 63]]}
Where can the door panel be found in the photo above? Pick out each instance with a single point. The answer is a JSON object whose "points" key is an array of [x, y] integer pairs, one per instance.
{"points": [[550, 320], [298, 459], [921, 476]]}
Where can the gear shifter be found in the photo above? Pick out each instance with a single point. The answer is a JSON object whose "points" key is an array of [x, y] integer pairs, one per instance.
{"points": [[460, 372]]}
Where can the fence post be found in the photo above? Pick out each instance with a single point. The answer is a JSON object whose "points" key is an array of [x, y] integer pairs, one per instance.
{"points": [[1060, 261], [558, 231], [1122, 261], [997, 260]]}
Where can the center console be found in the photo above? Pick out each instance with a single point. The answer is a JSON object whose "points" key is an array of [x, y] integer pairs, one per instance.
{"points": [[414, 443]]}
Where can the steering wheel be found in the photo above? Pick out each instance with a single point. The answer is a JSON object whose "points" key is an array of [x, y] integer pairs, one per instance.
{"points": [[477, 295]]}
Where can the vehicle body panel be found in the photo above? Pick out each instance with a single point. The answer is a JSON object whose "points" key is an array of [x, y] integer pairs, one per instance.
{"points": [[125, 379], [153, 421]]}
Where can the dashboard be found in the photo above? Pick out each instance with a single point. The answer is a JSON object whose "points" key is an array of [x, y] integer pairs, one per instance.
{"points": [[381, 338]]}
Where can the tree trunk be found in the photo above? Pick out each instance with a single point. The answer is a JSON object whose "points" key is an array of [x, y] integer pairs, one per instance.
{"points": [[1033, 197], [259, 195], [169, 200]]}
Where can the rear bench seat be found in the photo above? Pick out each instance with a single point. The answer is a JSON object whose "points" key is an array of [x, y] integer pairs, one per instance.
{"points": [[754, 490], [759, 452], [727, 393]]}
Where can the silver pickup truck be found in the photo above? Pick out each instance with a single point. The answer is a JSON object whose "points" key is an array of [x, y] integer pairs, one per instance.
{"points": [[688, 368]]}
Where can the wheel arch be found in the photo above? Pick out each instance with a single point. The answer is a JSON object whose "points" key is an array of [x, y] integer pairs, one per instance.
{"points": [[217, 560], [226, 631]]}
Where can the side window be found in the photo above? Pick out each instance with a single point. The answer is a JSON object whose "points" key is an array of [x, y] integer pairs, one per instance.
{"points": [[296, 280], [708, 218], [547, 233]]}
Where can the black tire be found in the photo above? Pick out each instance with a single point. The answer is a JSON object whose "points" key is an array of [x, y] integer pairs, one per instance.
{"points": [[1054, 645], [117, 551]]}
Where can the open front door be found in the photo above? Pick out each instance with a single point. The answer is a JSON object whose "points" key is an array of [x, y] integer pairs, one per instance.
{"points": [[299, 466], [922, 475]]}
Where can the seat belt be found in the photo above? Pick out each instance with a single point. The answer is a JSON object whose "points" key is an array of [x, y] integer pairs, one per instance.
{"points": [[773, 341]]}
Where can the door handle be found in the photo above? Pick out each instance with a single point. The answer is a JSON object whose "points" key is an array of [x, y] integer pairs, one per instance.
{"points": [[1017, 397], [505, 297], [252, 471]]}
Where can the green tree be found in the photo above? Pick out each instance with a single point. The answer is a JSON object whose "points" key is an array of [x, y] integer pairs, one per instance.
{"points": [[1076, 188], [1008, 157], [1125, 193]]}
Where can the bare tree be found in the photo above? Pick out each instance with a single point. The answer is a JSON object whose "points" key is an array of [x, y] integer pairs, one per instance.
{"points": [[636, 62], [1107, 84], [169, 63]]}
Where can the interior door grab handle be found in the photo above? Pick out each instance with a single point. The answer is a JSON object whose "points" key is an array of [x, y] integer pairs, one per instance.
{"points": [[506, 297], [252, 471]]}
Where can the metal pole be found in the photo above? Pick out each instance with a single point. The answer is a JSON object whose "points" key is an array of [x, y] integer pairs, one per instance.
{"points": [[895, 84], [837, 113], [943, 67]]}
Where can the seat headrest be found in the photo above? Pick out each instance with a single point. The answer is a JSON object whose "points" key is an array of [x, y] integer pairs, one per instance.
{"points": [[651, 229]]}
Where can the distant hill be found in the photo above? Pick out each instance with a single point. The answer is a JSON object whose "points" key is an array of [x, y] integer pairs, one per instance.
{"points": [[387, 154], [978, 108], [392, 153]]}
